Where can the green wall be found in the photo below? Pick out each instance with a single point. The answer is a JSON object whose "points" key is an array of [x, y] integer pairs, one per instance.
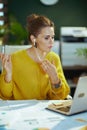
{"points": [[64, 13]]}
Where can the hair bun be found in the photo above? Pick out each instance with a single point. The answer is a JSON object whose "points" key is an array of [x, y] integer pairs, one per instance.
{"points": [[31, 18]]}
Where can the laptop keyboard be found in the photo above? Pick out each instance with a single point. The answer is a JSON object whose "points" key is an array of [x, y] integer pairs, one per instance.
{"points": [[63, 106], [65, 109]]}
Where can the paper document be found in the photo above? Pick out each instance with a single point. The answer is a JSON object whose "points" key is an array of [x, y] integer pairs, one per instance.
{"points": [[29, 117]]}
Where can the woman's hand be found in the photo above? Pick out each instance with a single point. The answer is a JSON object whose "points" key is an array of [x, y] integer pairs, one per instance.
{"points": [[50, 69], [7, 65]]}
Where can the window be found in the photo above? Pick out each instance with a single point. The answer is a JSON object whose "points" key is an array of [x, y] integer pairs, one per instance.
{"points": [[3, 19]]}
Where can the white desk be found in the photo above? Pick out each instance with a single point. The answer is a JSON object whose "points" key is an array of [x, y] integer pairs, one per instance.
{"points": [[31, 115]]}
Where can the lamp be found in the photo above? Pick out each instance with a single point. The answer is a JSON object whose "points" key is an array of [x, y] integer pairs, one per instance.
{"points": [[49, 2]]}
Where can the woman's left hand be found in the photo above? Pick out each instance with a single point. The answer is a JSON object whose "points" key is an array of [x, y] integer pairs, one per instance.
{"points": [[50, 69]]}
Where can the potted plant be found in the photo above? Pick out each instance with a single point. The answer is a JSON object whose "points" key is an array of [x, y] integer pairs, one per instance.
{"points": [[3, 33], [81, 52], [17, 33], [14, 33]]}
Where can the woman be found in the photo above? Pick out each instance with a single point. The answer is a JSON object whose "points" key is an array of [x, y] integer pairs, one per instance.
{"points": [[34, 73]]}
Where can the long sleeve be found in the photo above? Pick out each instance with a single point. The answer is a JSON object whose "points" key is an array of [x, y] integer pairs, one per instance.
{"points": [[64, 90], [5, 88]]}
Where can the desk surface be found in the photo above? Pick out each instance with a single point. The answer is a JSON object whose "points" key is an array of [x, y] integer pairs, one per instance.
{"points": [[32, 115]]}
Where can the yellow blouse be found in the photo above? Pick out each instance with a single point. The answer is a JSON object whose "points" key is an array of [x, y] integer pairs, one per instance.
{"points": [[29, 81]]}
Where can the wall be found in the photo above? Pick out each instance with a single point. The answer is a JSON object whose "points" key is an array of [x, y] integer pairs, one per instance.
{"points": [[64, 13]]}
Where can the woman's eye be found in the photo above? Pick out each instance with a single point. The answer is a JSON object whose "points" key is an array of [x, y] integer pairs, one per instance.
{"points": [[46, 38], [52, 37], [49, 38]]}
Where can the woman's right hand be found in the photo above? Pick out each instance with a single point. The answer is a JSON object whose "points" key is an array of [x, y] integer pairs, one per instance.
{"points": [[7, 64]]}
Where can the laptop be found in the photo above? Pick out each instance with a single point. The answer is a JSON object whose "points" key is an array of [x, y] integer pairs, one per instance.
{"points": [[77, 104]]}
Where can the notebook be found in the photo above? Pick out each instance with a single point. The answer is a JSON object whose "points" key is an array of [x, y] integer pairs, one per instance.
{"points": [[77, 104]]}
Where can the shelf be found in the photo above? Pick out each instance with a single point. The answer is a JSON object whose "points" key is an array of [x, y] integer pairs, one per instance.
{"points": [[76, 67]]}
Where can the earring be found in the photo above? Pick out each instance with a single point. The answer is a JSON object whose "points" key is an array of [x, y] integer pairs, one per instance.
{"points": [[34, 42]]}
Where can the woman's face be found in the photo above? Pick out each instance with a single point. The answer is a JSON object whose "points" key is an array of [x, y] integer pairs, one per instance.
{"points": [[45, 39]]}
